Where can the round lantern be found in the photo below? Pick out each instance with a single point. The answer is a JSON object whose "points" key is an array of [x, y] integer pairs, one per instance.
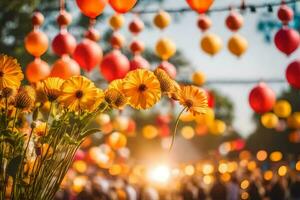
{"points": [[37, 70], [292, 74], [287, 40], [211, 44], [296, 120], [285, 14], [88, 54], [237, 45], [121, 123], [92, 34], [114, 66], [117, 40], [149, 131], [165, 48], [116, 21], [36, 43], [169, 68], [136, 47], [63, 43], [201, 129], [217, 127], [91, 8], [210, 98], [164, 131], [262, 98], [136, 26], [138, 62], [65, 68], [162, 19], [234, 21], [102, 119], [122, 6], [199, 78], [204, 23], [282, 108], [200, 6], [187, 132], [163, 119], [269, 120], [37, 19], [64, 18], [117, 140]]}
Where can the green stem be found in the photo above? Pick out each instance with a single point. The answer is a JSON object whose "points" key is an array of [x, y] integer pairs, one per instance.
{"points": [[175, 129]]}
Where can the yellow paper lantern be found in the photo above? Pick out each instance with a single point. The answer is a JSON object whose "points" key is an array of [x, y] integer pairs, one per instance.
{"points": [[261, 155], [282, 108], [189, 170], [237, 45], [116, 21], [269, 120], [245, 184], [275, 156], [162, 19], [187, 132], [217, 127], [117, 140], [150, 132], [165, 48], [296, 120], [282, 170], [187, 117], [297, 166], [80, 166], [199, 78], [211, 44], [268, 175], [115, 170]]}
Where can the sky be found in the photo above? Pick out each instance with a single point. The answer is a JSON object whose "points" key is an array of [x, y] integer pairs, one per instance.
{"points": [[261, 61]]}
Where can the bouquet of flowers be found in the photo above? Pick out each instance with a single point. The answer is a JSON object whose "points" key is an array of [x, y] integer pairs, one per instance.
{"points": [[42, 125]]}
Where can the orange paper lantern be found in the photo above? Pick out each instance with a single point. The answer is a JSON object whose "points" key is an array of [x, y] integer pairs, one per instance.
{"points": [[91, 8], [65, 68], [36, 43], [200, 6], [37, 70], [122, 6]]}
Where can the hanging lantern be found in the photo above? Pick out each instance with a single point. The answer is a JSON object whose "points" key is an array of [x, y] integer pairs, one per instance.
{"points": [[204, 23], [164, 131], [163, 119], [37, 70], [149, 131], [114, 66], [237, 45], [64, 18], [234, 21], [169, 68], [130, 131], [116, 21], [287, 40], [92, 34], [201, 129], [285, 14], [292, 74], [165, 48], [211, 44], [200, 6], [262, 98], [282, 108], [218, 127], [296, 120], [37, 19], [136, 26], [36, 43], [210, 98], [162, 20], [122, 6], [117, 140], [138, 62], [269, 120], [65, 68], [88, 54], [91, 8], [63, 43], [121, 123], [199, 78], [187, 132], [136, 47], [117, 41]]}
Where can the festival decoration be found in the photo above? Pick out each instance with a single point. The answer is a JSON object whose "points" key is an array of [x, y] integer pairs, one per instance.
{"points": [[269, 120], [63, 43], [217, 127], [149, 132], [211, 44], [285, 14], [122, 6], [165, 48], [136, 26], [37, 70], [139, 62], [168, 68], [200, 6], [162, 20], [91, 8], [36, 43], [292, 74], [199, 78], [237, 45], [65, 68], [204, 22], [234, 21], [187, 132], [287, 40], [282, 108], [116, 21], [262, 98]]}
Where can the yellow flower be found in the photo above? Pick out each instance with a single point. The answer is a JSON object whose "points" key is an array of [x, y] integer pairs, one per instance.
{"points": [[52, 88], [167, 85], [142, 88], [25, 98], [79, 93], [117, 85], [41, 96], [40, 129], [10, 72], [115, 98], [194, 99], [99, 99]]}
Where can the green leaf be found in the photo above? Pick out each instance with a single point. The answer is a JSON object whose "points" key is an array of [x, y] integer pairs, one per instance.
{"points": [[89, 132], [13, 166]]}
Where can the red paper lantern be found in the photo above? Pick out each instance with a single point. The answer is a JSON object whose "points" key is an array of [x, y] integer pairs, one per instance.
{"points": [[64, 18], [163, 119], [210, 99], [122, 6], [136, 26], [204, 23], [37, 70], [262, 98], [164, 131], [36, 43], [65, 68], [63, 43], [92, 34], [200, 6], [138, 62], [114, 66], [287, 40], [285, 14], [293, 74], [37, 19], [137, 47], [169, 68], [88, 54], [234, 21], [117, 40], [91, 8]]}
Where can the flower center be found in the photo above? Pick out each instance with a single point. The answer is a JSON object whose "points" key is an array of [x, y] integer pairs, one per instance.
{"points": [[1, 74], [142, 88], [189, 103], [78, 94]]}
